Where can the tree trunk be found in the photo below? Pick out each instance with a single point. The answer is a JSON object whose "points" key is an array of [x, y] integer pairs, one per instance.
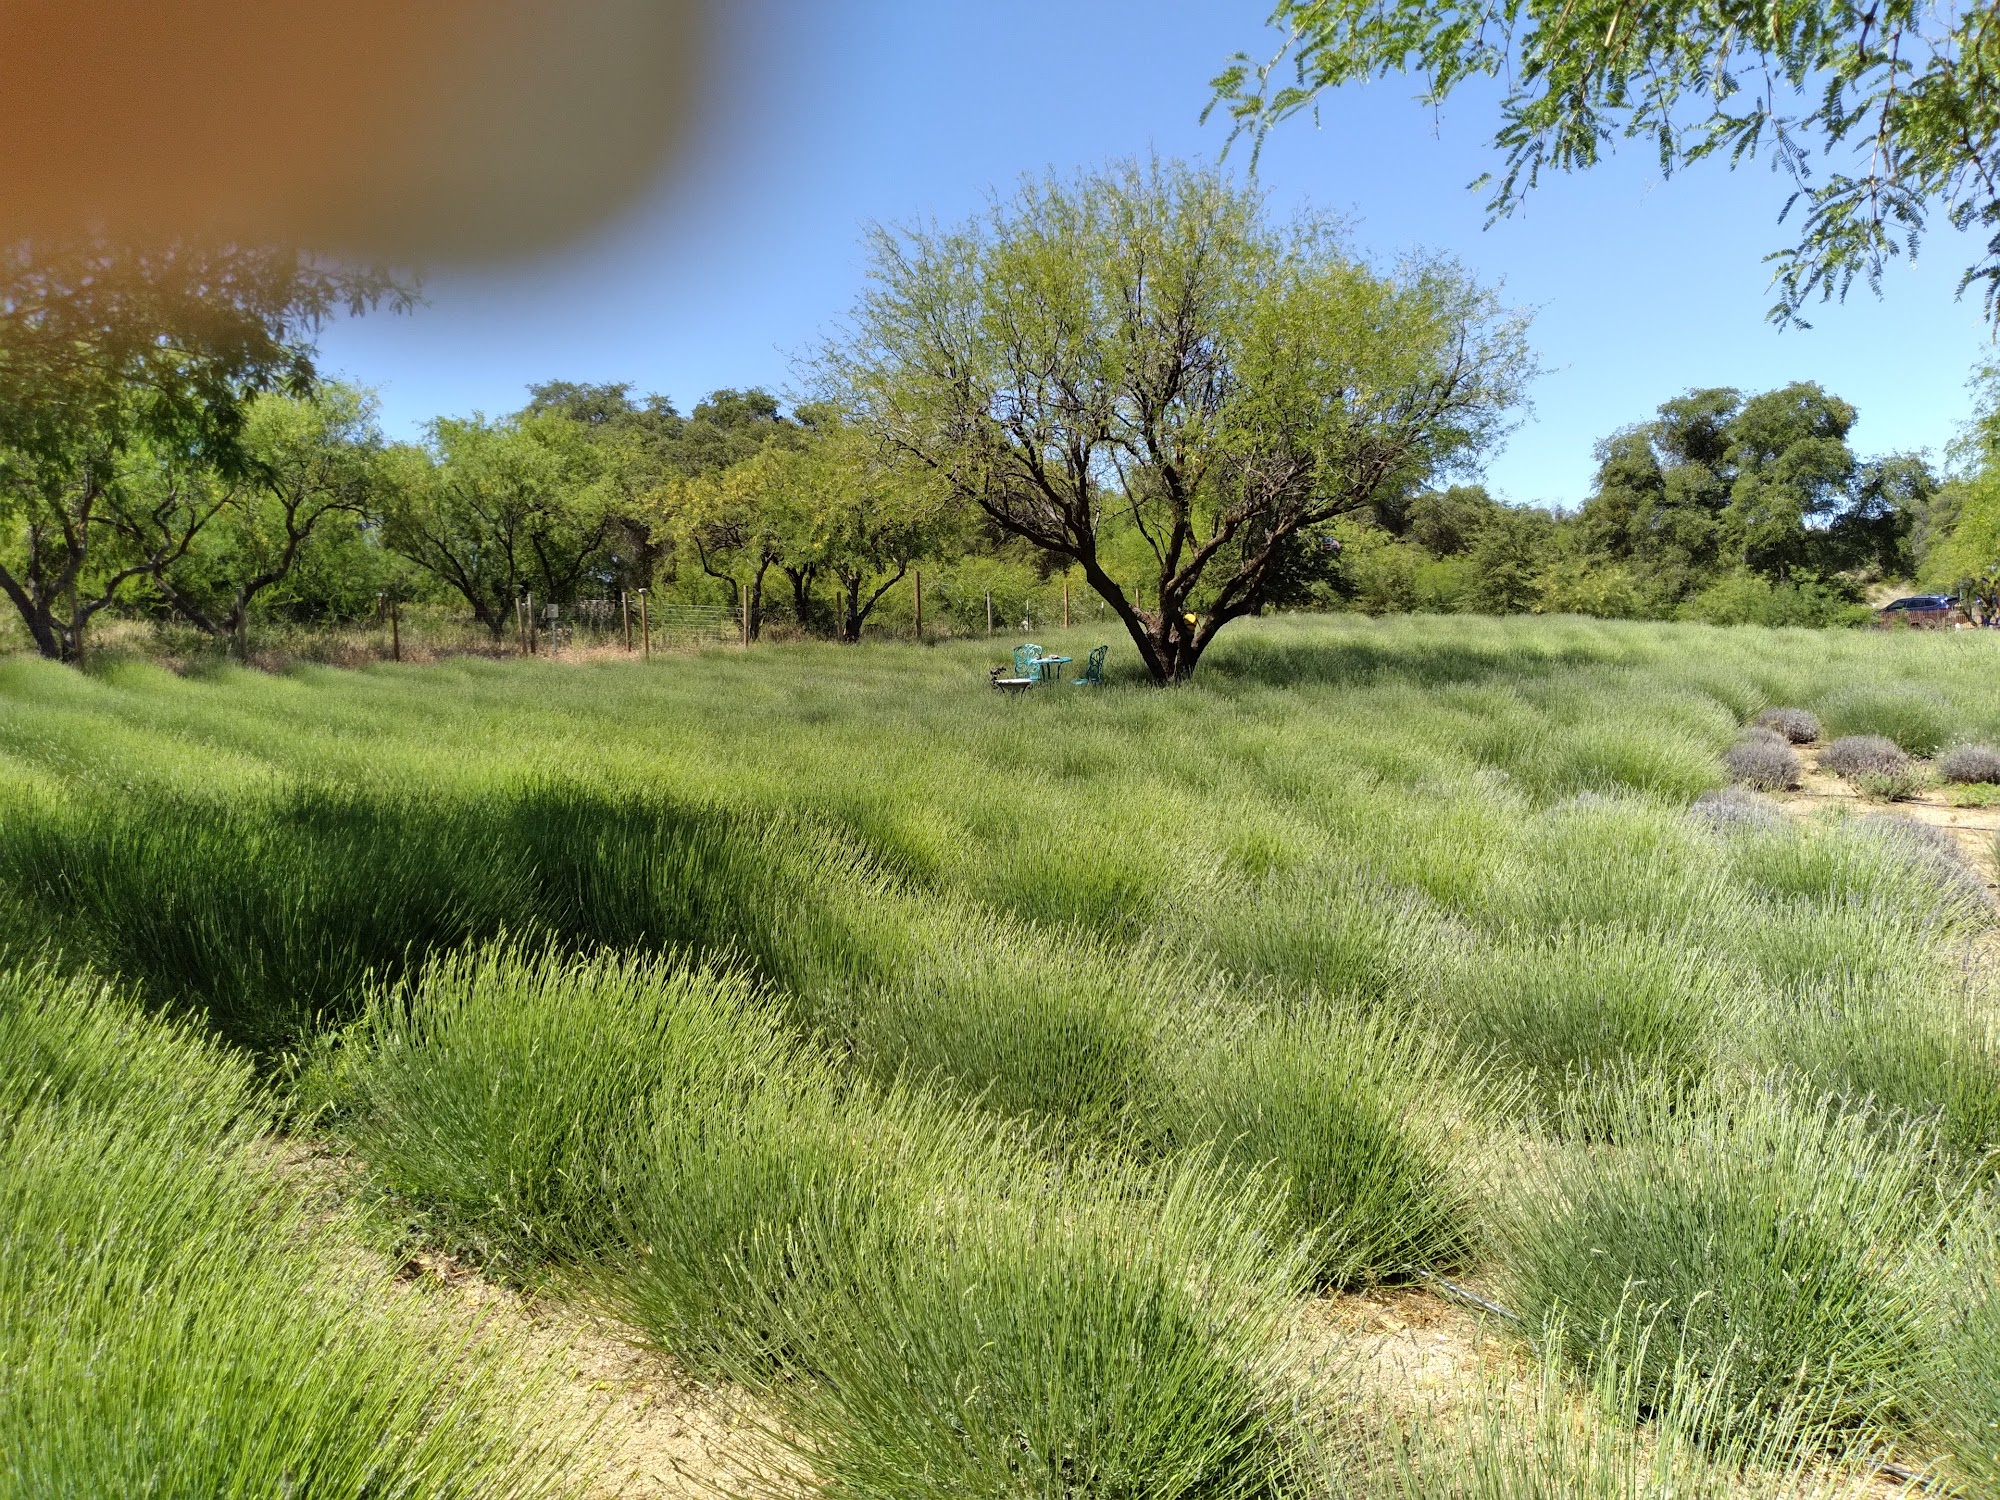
{"points": [[850, 613], [856, 610], [755, 627], [496, 620], [43, 628], [802, 600]]}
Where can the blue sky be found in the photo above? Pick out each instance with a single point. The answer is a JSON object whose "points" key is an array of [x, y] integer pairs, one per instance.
{"points": [[824, 116]]}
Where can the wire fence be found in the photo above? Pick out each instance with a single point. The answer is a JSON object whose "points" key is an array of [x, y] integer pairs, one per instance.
{"points": [[597, 624]]}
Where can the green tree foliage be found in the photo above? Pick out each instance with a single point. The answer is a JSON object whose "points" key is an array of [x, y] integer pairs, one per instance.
{"points": [[1767, 485], [643, 449], [740, 522], [873, 516], [125, 377], [1957, 537], [311, 466], [1788, 449], [822, 503], [1723, 508], [498, 510], [1902, 103], [1139, 348]]}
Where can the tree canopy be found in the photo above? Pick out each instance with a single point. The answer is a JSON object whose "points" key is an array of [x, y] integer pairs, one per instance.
{"points": [[1881, 116], [1141, 348], [126, 374]]}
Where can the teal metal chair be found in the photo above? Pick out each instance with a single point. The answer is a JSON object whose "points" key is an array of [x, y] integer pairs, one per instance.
{"points": [[1028, 661], [1093, 672]]}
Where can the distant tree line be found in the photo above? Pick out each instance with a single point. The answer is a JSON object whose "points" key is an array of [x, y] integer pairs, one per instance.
{"points": [[1130, 384], [1726, 508]]}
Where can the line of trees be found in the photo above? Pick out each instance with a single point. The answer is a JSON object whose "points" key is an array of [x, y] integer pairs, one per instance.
{"points": [[1133, 379], [1133, 374], [1722, 507]]}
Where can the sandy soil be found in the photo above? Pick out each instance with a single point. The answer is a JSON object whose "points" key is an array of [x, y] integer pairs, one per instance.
{"points": [[1975, 829], [1404, 1350], [654, 1432]]}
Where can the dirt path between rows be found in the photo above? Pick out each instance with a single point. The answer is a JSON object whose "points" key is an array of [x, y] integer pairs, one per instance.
{"points": [[1976, 830], [651, 1431]]}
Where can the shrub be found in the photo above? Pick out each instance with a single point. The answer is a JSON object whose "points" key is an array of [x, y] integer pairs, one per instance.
{"points": [[1745, 598], [1969, 763], [758, 1215], [1582, 1014], [262, 917], [1863, 755], [1890, 786], [1883, 877], [1792, 1249], [1645, 1423], [1917, 719], [73, 1039], [1971, 1386], [1115, 1339], [1734, 807], [269, 914], [1625, 865], [172, 1321], [1062, 1040], [1768, 764], [1929, 858], [1796, 725], [1923, 1048], [499, 1092], [1355, 1116]]}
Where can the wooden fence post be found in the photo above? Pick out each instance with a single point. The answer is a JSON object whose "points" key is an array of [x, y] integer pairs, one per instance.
{"points": [[920, 606], [646, 625], [395, 631], [625, 611], [989, 611], [1065, 599], [534, 631]]}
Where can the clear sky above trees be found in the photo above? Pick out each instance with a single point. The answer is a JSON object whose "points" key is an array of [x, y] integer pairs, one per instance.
{"points": [[895, 109]]}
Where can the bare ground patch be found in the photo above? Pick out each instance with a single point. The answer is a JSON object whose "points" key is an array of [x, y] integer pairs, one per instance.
{"points": [[1973, 829], [649, 1430]]}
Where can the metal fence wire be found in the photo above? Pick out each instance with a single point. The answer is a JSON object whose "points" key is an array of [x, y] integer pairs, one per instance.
{"points": [[603, 622]]}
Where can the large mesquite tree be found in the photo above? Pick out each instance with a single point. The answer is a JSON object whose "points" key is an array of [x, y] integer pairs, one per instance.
{"points": [[1140, 349]]}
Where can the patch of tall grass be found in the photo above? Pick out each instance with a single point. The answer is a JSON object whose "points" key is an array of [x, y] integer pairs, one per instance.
{"points": [[1929, 1051], [1574, 1017], [500, 1092], [1047, 1025], [1373, 1131], [1793, 1246], [1115, 1338], [264, 919], [989, 947], [1647, 1421], [1970, 1387], [1918, 719], [171, 1324], [753, 1219]]}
